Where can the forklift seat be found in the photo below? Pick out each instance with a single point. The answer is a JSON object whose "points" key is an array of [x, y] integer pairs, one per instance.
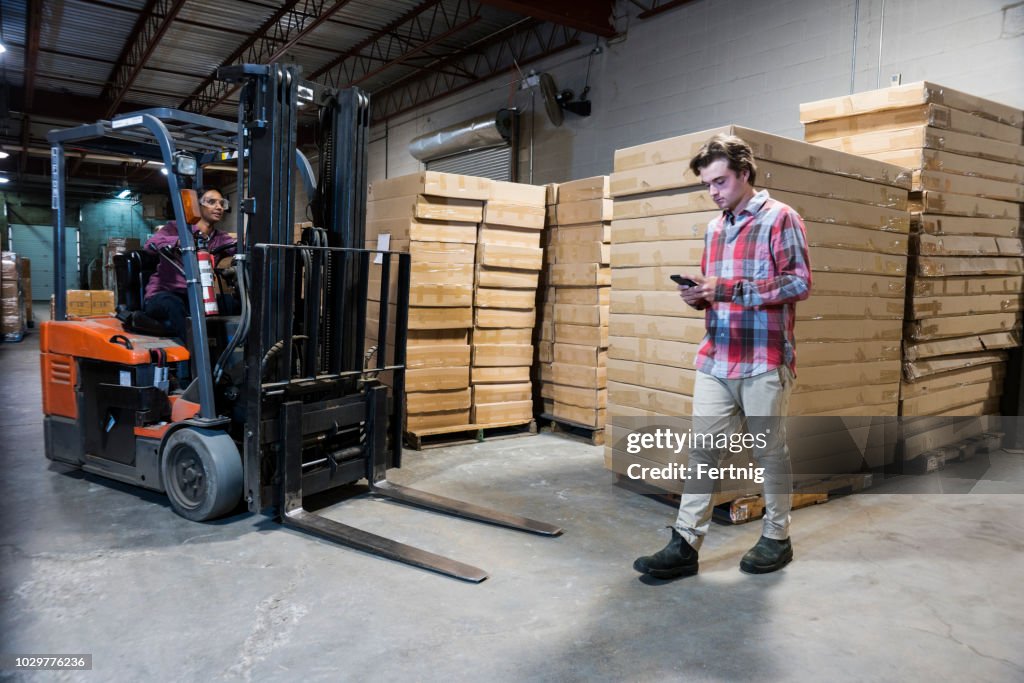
{"points": [[133, 270]]}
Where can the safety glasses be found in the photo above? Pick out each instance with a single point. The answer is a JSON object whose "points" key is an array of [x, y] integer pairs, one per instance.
{"points": [[211, 202]]}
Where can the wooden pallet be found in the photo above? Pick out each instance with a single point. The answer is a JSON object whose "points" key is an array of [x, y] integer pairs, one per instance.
{"points": [[749, 508], [464, 434], [936, 459], [559, 425]]}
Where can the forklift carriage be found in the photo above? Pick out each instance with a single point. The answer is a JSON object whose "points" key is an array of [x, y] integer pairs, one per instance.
{"points": [[294, 404]]}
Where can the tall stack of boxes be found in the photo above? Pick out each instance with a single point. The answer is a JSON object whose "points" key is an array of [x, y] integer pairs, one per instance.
{"points": [[475, 249], [12, 298], [434, 217], [508, 263], [847, 332], [967, 259], [577, 300]]}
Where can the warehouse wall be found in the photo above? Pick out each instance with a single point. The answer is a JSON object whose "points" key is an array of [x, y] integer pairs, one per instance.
{"points": [[714, 62]]}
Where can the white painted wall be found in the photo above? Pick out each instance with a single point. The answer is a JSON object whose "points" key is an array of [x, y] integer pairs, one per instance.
{"points": [[748, 62]]}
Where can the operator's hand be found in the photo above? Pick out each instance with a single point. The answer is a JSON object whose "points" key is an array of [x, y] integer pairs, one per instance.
{"points": [[694, 296]]}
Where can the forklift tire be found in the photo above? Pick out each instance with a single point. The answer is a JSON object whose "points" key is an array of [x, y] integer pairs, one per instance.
{"points": [[202, 473]]}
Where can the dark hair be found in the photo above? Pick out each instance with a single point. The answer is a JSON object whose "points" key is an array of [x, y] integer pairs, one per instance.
{"points": [[200, 191], [729, 147]]}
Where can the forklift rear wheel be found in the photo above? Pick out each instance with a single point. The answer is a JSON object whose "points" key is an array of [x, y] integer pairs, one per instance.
{"points": [[202, 473]]}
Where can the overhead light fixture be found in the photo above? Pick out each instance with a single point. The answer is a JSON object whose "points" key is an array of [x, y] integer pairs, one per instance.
{"points": [[124, 194], [3, 154], [3, 48], [3, 180], [163, 170]]}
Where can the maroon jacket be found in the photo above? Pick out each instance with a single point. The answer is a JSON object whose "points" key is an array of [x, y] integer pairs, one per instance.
{"points": [[167, 278]]}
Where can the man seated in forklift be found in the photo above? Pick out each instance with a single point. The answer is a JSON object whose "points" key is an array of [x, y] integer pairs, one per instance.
{"points": [[166, 300]]}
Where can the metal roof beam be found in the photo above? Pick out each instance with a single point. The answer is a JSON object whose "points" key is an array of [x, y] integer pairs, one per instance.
{"points": [[594, 16], [515, 46], [283, 29], [150, 28]]}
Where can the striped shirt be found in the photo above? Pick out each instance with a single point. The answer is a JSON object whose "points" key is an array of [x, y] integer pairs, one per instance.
{"points": [[760, 259]]}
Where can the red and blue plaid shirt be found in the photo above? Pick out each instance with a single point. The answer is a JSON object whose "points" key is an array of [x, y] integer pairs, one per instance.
{"points": [[760, 259]]}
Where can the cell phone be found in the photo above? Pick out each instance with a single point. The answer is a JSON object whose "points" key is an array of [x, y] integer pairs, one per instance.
{"points": [[684, 281]]}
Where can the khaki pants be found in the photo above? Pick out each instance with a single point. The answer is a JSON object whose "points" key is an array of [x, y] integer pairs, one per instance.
{"points": [[718, 405]]}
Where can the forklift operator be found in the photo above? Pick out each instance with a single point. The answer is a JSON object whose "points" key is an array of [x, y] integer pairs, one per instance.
{"points": [[166, 296]]}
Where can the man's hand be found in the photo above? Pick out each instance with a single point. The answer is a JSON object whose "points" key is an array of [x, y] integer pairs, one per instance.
{"points": [[697, 296]]}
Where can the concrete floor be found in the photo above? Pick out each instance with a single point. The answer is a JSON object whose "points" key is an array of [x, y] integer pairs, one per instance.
{"points": [[925, 586]]}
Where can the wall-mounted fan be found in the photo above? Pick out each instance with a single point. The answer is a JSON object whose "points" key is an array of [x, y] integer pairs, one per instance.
{"points": [[556, 102]]}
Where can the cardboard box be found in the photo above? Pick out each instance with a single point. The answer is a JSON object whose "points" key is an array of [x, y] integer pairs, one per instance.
{"points": [[810, 354], [437, 401], [583, 296], [499, 317], [691, 331], [855, 239], [937, 224], [898, 97], [688, 226], [514, 412], [422, 206], [845, 261], [502, 393], [453, 337], [935, 115], [423, 273], [856, 284], [426, 422], [581, 315], [455, 253], [848, 374], [103, 302], [523, 299], [656, 278], [682, 253], [663, 204], [957, 164], [432, 183], [583, 335], [661, 377], [579, 375], [657, 351], [940, 266], [515, 215], [944, 306], [975, 187], [500, 375], [400, 230], [962, 286], [666, 403], [519, 258], [552, 193], [766, 148], [581, 397], [573, 234], [930, 138], [440, 295], [79, 302], [831, 400], [950, 398], [513, 336], [502, 355], [437, 356], [969, 344], [577, 354], [666, 304], [927, 375], [931, 202], [580, 252], [968, 245], [545, 351], [502, 278], [436, 379], [440, 318], [584, 416], [582, 212], [846, 330], [579, 274], [518, 193], [938, 328], [841, 212], [583, 189], [510, 237]]}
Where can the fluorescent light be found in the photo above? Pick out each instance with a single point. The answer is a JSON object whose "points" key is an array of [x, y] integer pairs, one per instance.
{"points": [[3, 180], [3, 154], [164, 170], [3, 49], [124, 194]]}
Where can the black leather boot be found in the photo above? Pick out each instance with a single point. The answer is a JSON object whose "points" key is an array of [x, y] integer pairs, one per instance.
{"points": [[678, 558], [767, 556]]}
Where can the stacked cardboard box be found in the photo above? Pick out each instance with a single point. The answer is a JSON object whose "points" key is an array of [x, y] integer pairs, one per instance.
{"points": [[508, 264], [965, 284], [12, 298], [82, 303], [544, 329], [114, 246], [574, 330], [847, 333], [433, 217]]}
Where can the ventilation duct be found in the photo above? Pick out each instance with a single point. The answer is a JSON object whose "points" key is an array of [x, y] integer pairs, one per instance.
{"points": [[482, 132]]}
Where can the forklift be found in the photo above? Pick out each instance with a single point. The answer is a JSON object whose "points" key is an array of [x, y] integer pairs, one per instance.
{"points": [[294, 404]]}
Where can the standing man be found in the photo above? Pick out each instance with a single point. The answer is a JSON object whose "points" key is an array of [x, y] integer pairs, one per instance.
{"points": [[166, 296], [753, 271]]}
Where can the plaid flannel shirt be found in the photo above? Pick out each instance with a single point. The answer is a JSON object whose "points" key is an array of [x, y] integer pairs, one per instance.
{"points": [[760, 259]]}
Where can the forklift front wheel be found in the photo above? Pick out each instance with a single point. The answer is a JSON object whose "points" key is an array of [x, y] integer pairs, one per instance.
{"points": [[202, 473]]}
